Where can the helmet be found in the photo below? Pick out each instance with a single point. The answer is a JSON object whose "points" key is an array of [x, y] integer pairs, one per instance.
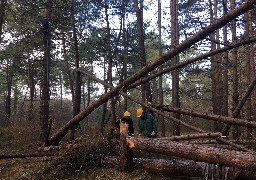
{"points": [[127, 114], [139, 112]]}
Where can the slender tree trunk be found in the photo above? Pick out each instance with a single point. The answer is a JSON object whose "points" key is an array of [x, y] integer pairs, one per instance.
{"points": [[67, 70], [226, 67], [160, 80], [251, 70], [235, 93], [31, 91], [139, 15], [77, 100], [175, 60], [45, 95], [110, 63], [8, 93]]}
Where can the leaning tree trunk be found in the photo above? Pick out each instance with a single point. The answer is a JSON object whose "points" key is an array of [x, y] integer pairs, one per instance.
{"points": [[57, 137]]}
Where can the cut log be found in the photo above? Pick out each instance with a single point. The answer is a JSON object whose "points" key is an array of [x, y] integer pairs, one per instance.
{"points": [[24, 156], [175, 167], [191, 136], [57, 137], [237, 159]]}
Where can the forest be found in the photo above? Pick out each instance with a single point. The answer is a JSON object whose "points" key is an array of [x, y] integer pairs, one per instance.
{"points": [[71, 69]]}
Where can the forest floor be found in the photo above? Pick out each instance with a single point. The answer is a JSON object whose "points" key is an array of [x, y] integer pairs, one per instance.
{"points": [[81, 159]]}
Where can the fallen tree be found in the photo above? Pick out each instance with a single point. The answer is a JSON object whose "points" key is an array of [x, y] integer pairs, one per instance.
{"points": [[164, 115], [190, 61], [229, 158], [191, 136], [214, 117], [57, 137], [178, 167], [12, 156]]}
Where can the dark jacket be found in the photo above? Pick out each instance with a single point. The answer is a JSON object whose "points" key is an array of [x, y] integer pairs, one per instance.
{"points": [[147, 124], [126, 121]]}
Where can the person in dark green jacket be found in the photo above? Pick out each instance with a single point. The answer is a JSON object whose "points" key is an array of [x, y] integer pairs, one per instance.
{"points": [[147, 124]]}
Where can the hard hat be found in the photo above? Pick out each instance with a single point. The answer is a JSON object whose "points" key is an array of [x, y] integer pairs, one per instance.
{"points": [[127, 114], [139, 112]]}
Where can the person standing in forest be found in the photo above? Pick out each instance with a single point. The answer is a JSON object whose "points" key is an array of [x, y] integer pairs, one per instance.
{"points": [[147, 124], [126, 120]]}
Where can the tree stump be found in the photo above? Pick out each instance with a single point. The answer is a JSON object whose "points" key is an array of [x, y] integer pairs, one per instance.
{"points": [[125, 153]]}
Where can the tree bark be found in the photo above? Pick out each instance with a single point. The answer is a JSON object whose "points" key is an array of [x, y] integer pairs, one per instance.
{"points": [[78, 82], [45, 94], [237, 159], [56, 137], [214, 117], [160, 80], [125, 153], [191, 136], [175, 167], [175, 61], [110, 63]]}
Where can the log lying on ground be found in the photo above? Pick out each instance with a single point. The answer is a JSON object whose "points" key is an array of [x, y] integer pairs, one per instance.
{"points": [[191, 136], [173, 167], [237, 159], [24, 156], [57, 137]]}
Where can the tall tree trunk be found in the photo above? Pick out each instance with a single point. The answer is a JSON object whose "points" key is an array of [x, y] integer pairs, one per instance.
{"points": [[45, 95], [31, 90], [109, 57], [9, 78], [160, 80], [142, 54], [125, 107], [175, 60], [250, 70], [226, 67], [77, 100], [67, 70], [235, 93]]}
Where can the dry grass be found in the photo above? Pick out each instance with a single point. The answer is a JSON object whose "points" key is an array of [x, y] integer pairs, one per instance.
{"points": [[81, 159]]}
